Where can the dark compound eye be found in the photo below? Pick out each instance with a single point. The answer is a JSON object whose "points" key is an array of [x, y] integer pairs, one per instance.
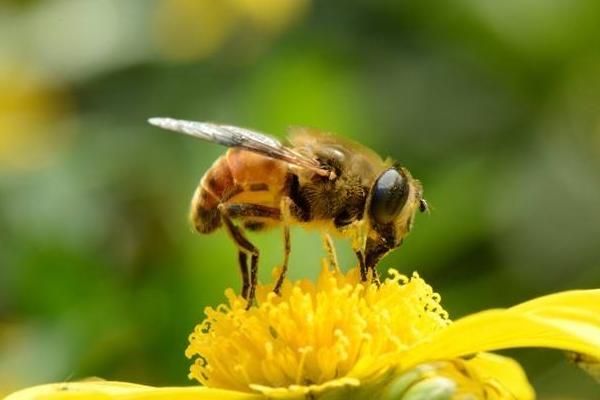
{"points": [[389, 195]]}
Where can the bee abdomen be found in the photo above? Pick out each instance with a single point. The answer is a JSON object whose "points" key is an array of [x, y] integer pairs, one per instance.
{"points": [[205, 212], [213, 187]]}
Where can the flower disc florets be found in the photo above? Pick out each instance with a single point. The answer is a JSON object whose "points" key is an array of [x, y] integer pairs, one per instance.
{"points": [[335, 330]]}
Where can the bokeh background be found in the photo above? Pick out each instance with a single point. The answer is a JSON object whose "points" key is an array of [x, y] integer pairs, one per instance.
{"points": [[495, 106]]}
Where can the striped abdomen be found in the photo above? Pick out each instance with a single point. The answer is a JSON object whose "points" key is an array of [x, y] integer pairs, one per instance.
{"points": [[239, 176]]}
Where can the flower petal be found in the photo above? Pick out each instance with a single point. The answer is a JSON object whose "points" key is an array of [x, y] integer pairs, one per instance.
{"points": [[437, 388], [504, 373], [486, 376], [336, 388], [104, 390], [566, 321], [587, 299]]}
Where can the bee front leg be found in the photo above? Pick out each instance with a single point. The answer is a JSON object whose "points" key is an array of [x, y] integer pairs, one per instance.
{"points": [[361, 263], [375, 276], [365, 269], [359, 240]]}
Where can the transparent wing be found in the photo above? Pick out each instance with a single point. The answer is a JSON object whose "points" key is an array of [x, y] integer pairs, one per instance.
{"points": [[304, 137], [233, 136]]}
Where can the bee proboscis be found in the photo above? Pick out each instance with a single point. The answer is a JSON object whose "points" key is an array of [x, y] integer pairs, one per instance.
{"points": [[317, 180]]}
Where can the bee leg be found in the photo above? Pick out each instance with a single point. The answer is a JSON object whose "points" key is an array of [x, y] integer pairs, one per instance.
{"points": [[363, 266], [359, 240], [240, 210], [330, 248], [243, 261], [245, 247], [375, 276], [286, 256], [285, 217], [365, 269], [253, 279]]}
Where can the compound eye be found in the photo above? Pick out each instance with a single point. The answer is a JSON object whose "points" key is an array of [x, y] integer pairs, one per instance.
{"points": [[389, 194]]}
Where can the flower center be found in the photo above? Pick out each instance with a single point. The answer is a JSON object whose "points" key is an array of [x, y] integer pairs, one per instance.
{"points": [[313, 333]]}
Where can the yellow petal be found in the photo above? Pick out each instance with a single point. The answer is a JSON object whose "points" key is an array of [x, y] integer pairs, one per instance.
{"points": [[587, 299], [566, 321], [334, 389], [485, 376], [104, 390], [504, 373]]}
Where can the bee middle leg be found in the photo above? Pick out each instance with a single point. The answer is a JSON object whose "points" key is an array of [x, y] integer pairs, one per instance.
{"points": [[330, 248], [286, 256], [285, 205]]}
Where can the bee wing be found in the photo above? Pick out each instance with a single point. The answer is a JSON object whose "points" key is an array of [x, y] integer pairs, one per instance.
{"points": [[233, 136], [304, 137]]}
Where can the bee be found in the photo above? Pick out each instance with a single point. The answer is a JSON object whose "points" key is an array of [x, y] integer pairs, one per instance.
{"points": [[318, 180]]}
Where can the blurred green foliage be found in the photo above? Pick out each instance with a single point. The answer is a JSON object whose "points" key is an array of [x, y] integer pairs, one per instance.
{"points": [[495, 106]]}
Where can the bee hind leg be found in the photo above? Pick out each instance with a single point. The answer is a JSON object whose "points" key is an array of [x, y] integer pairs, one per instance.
{"points": [[240, 210], [243, 262], [245, 248]]}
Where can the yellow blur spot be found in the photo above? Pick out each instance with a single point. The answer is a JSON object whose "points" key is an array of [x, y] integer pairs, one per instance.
{"points": [[195, 29], [192, 29], [29, 111], [272, 16]]}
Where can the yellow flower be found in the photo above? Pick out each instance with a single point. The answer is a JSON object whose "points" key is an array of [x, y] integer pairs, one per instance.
{"points": [[313, 333], [341, 339]]}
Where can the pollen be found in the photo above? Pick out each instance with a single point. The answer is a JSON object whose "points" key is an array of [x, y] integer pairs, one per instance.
{"points": [[334, 330]]}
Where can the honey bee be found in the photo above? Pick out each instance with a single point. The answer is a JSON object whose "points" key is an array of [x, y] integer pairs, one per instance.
{"points": [[318, 180]]}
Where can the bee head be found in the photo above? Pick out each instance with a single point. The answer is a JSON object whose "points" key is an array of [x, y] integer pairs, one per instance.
{"points": [[394, 199]]}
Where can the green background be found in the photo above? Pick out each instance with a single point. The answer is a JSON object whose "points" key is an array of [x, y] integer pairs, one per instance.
{"points": [[494, 106]]}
